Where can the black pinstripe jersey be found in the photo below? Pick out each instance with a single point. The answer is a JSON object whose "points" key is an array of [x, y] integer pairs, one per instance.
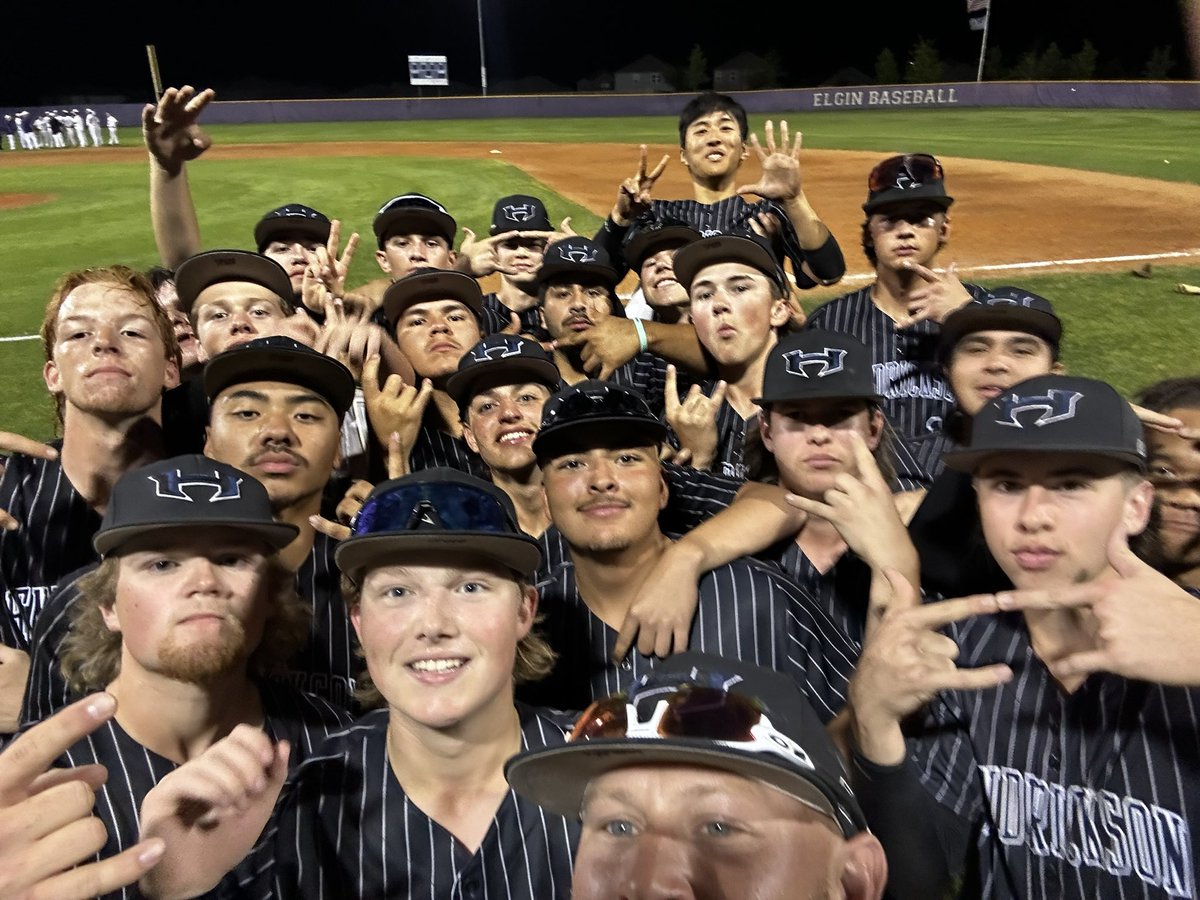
{"points": [[907, 373], [327, 665], [733, 216], [344, 828], [746, 610], [844, 592], [55, 538], [301, 719], [434, 448], [693, 497], [1089, 794]]}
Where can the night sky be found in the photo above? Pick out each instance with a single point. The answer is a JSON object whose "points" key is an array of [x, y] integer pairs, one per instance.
{"points": [[245, 49]]}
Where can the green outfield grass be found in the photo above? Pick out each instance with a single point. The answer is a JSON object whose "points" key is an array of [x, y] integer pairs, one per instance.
{"points": [[1128, 330]]}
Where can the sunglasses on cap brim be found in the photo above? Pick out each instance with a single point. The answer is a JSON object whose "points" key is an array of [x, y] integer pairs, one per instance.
{"points": [[433, 505], [908, 171]]}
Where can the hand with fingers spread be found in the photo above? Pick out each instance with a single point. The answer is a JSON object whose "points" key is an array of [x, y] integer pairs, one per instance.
{"points": [[211, 810], [1142, 624], [780, 179], [396, 410], [935, 296], [331, 268], [605, 347], [634, 195], [15, 443], [170, 130], [694, 418], [478, 258], [905, 662], [46, 822]]}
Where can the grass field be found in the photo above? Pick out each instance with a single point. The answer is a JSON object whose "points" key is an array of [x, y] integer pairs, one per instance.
{"points": [[1128, 330]]}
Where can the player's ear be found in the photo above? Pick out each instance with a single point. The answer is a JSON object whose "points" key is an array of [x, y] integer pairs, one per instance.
{"points": [[764, 429], [527, 611], [1138, 503], [356, 618], [469, 435], [50, 376], [1058, 368], [664, 493], [875, 427], [171, 375], [382, 259], [863, 867], [781, 313], [683, 158], [944, 231]]}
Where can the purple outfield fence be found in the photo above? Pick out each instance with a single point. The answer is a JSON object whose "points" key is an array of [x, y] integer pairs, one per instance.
{"points": [[1053, 94]]}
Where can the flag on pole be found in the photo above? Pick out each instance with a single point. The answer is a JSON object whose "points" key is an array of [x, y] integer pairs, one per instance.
{"points": [[977, 11]]}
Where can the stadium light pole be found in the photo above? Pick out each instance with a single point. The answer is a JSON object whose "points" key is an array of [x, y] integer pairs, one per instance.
{"points": [[482, 56]]}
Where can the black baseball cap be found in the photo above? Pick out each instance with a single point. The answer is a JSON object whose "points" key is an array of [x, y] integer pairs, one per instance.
{"points": [[905, 178], [215, 266], [424, 284], [655, 236], [520, 212], [1054, 414], [577, 256], [814, 364], [279, 358], [187, 492], [1003, 309], [754, 251], [507, 355], [437, 509], [413, 214], [710, 698], [595, 409], [295, 218]]}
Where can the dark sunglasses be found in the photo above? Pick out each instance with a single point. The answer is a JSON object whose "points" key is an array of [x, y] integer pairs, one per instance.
{"points": [[442, 506], [704, 711], [903, 172], [587, 405]]}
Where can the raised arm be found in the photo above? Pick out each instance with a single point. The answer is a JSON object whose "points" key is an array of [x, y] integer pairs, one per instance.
{"points": [[173, 138]]}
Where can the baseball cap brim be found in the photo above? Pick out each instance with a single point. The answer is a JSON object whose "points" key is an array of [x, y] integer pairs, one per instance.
{"points": [[321, 373], [275, 535], [694, 257], [414, 220], [517, 552], [555, 268], [521, 369], [926, 193], [562, 437], [556, 778], [980, 317], [649, 241], [967, 459], [218, 266], [266, 229], [819, 393], [435, 284]]}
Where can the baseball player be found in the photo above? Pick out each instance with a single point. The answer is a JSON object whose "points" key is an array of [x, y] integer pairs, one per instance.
{"points": [[275, 410], [411, 800], [521, 253], [288, 234], [93, 127], [111, 121], [189, 608], [1046, 753], [897, 315], [710, 778], [501, 387], [27, 138], [110, 351], [598, 448], [712, 147], [9, 129], [435, 315], [650, 252], [1172, 542], [75, 121]]}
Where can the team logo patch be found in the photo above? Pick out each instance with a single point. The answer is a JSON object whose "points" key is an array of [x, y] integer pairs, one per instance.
{"points": [[522, 213], [1055, 406], [502, 348], [831, 361], [578, 254], [211, 487]]}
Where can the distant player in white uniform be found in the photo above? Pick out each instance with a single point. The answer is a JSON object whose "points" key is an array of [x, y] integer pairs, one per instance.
{"points": [[93, 127], [111, 121]]}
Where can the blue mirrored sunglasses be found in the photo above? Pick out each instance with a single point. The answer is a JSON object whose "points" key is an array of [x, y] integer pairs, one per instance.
{"points": [[433, 505]]}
